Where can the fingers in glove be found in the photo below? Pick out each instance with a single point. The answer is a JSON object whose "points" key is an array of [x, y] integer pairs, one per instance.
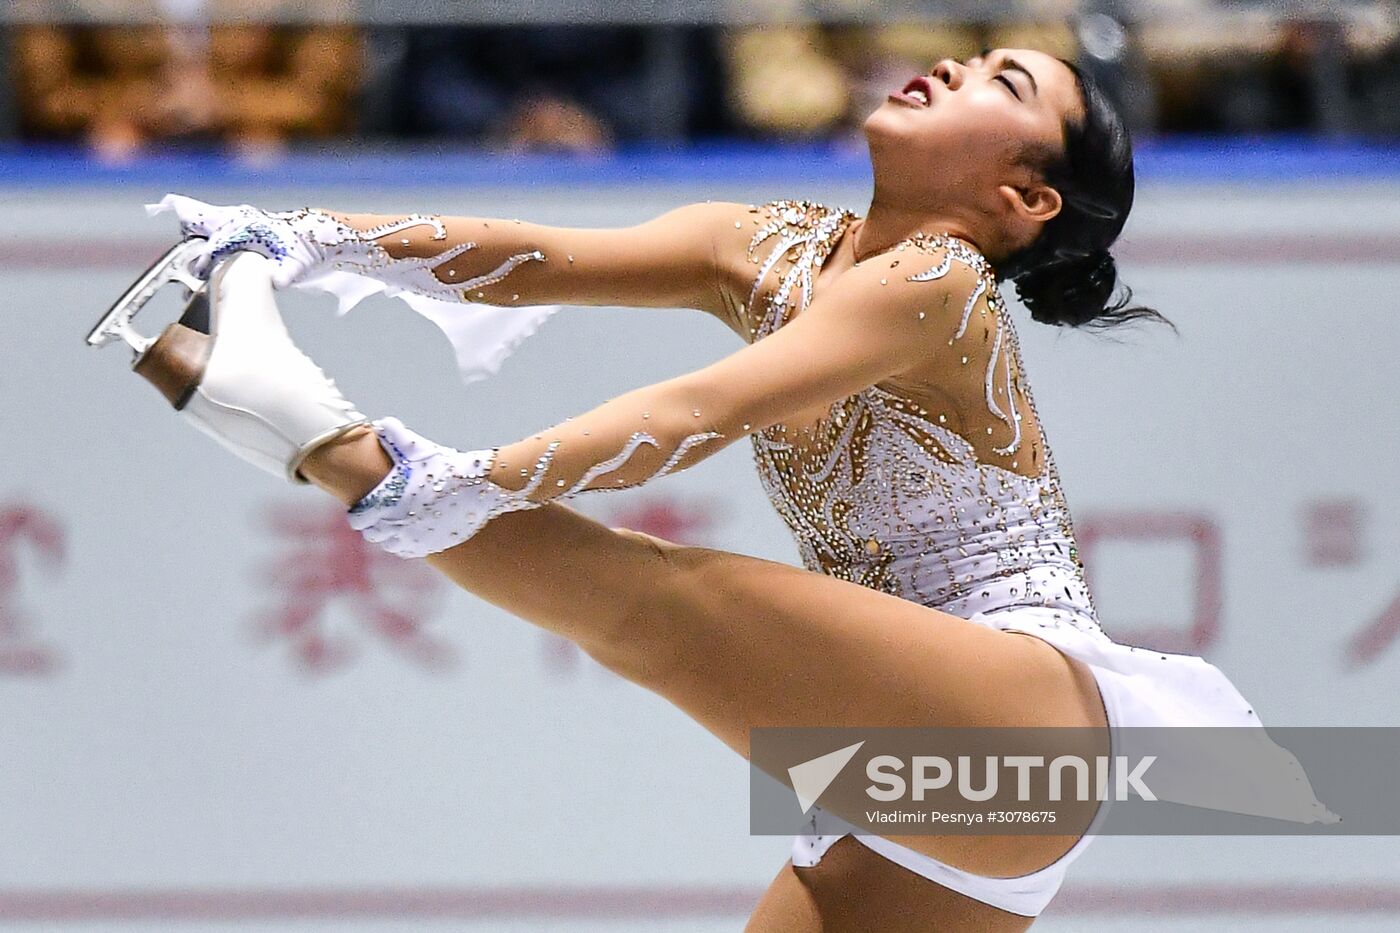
{"points": [[243, 233]]}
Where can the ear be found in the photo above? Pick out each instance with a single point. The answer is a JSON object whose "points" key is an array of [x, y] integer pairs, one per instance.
{"points": [[1036, 203]]}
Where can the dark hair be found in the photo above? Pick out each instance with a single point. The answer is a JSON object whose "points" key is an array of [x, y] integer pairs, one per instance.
{"points": [[1067, 276]]}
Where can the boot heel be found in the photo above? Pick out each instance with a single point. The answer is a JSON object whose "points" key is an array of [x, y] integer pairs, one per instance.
{"points": [[175, 363]]}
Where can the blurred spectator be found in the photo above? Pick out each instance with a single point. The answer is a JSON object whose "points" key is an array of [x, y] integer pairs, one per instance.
{"points": [[784, 81], [1373, 44], [124, 88], [1210, 79], [578, 88], [1256, 72]]}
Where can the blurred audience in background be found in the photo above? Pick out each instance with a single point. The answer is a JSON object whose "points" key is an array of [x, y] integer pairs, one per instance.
{"points": [[268, 78], [1257, 73], [121, 89], [578, 88]]}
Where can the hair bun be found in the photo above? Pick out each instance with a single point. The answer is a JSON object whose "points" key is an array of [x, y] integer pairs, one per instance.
{"points": [[1070, 292], [1066, 275]]}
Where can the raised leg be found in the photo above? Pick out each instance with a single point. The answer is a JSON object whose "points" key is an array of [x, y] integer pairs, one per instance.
{"points": [[737, 642]]}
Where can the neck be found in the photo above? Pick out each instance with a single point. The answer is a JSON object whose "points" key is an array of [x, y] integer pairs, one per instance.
{"points": [[887, 223]]}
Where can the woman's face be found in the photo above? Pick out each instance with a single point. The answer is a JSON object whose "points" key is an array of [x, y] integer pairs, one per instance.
{"points": [[973, 123]]}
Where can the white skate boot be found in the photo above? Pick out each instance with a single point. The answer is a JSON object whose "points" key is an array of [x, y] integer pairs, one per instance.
{"points": [[229, 366]]}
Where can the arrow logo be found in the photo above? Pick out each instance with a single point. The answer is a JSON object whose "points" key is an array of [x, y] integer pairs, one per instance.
{"points": [[811, 778]]}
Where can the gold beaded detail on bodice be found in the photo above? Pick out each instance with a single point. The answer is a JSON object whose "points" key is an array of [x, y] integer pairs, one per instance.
{"points": [[885, 493]]}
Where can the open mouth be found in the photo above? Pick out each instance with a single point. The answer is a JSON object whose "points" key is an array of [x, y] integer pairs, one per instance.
{"points": [[919, 91]]}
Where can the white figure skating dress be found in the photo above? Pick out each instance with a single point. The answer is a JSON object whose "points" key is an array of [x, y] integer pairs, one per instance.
{"points": [[883, 492]]}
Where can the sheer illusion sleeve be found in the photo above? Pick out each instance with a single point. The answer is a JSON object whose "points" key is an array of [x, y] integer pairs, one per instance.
{"points": [[487, 283]]}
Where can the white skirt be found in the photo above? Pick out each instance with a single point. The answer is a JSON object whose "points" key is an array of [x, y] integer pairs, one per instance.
{"points": [[1146, 689]]}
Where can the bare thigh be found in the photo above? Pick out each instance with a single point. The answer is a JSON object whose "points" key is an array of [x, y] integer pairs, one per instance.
{"points": [[854, 890]]}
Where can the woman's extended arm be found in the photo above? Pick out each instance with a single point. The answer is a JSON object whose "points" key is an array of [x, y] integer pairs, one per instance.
{"points": [[670, 261], [666, 262]]}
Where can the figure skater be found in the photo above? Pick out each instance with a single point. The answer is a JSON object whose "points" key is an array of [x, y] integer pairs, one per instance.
{"points": [[892, 426]]}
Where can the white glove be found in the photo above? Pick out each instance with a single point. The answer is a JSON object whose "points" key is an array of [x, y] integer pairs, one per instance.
{"points": [[299, 242], [433, 498]]}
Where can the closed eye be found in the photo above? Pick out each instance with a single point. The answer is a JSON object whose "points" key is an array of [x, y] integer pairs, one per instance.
{"points": [[1009, 85]]}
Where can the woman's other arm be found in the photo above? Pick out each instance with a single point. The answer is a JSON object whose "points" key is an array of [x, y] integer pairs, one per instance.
{"points": [[871, 324]]}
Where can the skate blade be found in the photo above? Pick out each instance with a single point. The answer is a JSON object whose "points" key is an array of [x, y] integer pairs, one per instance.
{"points": [[172, 267]]}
